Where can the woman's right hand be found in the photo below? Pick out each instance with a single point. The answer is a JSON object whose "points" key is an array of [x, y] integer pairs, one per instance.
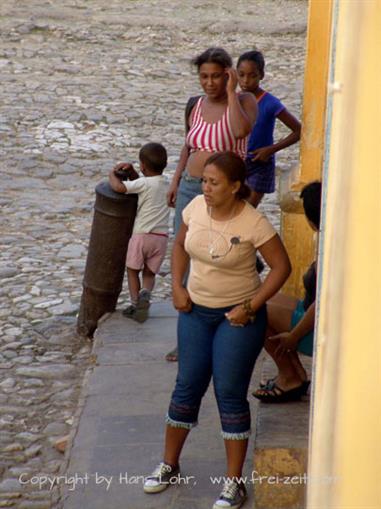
{"points": [[232, 81], [181, 299], [286, 342], [172, 193]]}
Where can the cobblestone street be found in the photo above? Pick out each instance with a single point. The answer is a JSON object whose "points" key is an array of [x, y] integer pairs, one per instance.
{"points": [[83, 85]]}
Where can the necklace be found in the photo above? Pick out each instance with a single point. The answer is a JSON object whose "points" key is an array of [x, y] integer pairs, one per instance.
{"points": [[211, 243]]}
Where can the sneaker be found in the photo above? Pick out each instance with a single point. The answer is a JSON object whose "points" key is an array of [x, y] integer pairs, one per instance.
{"points": [[232, 496], [141, 312], [160, 478], [129, 311]]}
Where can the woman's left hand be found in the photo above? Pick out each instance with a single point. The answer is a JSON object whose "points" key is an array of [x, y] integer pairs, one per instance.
{"points": [[237, 316], [232, 82]]}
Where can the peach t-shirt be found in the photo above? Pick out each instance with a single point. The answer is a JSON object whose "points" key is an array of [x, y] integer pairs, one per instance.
{"points": [[223, 254]]}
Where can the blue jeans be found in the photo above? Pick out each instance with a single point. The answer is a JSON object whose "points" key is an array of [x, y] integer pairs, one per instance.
{"points": [[210, 346], [189, 188]]}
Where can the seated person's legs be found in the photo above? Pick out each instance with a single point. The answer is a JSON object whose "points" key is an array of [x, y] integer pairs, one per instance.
{"points": [[291, 373], [279, 312]]}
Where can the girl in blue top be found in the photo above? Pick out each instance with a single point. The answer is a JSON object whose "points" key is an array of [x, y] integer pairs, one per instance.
{"points": [[260, 161]]}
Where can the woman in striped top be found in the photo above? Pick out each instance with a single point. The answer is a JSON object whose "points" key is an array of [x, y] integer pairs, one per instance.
{"points": [[213, 137], [220, 120]]}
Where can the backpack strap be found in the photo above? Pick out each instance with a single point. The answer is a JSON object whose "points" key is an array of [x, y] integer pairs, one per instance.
{"points": [[188, 108]]}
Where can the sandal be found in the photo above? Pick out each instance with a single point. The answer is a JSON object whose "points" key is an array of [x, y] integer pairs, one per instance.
{"points": [[269, 384], [172, 356], [277, 395]]}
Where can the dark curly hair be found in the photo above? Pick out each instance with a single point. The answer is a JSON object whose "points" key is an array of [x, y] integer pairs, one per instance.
{"points": [[311, 196], [256, 57], [213, 56], [234, 169], [154, 156]]}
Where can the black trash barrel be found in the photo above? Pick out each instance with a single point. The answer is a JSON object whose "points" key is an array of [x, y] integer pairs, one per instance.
{"points": [[114, 216]]}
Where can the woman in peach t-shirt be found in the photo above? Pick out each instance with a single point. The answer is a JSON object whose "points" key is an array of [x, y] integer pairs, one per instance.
{"points": [[222, 315]]}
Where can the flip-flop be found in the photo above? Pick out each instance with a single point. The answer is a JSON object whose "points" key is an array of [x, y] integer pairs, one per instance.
{"points": [[278, 395], [172, 356]]}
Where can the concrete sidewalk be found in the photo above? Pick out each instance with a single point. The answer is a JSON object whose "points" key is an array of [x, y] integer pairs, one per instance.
{"points": [[121, 426]]}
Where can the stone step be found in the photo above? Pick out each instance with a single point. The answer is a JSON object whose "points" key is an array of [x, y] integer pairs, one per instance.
{"points": [[281, 450], [118, 435]]}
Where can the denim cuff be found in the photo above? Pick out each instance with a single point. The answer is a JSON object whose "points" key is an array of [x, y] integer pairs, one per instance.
{"points": [[236, 436], [178, 424]]}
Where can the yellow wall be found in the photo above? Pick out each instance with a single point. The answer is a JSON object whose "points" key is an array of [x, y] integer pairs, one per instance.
{"points": [[296, 234], [346, 410]]}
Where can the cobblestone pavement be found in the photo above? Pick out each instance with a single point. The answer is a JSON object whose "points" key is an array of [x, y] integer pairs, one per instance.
{"points": [[82, 85]]}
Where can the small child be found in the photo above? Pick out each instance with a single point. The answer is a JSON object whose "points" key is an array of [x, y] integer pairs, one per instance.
{"points": [[260, 161], [148, 243]]}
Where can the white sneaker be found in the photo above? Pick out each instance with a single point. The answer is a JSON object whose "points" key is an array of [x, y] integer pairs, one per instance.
{"points": [[161, 478], [232, 496]]}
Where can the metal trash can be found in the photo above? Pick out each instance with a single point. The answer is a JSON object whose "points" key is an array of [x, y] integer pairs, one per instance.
{"points": [[114, 216]]}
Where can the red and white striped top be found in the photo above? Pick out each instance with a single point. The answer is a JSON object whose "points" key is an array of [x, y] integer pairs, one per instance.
{"points": [[215, 137]]}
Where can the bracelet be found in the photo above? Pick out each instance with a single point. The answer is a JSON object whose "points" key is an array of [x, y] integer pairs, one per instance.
{"points": [[248, 309]]}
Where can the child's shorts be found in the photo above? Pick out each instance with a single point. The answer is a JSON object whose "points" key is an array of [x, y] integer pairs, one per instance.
{"points": [[146, 249], [260, 176], [306, 344]]}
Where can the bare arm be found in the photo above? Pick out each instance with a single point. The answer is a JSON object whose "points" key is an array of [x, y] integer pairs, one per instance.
{"points": [[128, 170], [263, 153], [305, 325], [179, 267], [275, 255], [115, 183], [294, 125], [243, 109], [289, 340], [181, 165]]}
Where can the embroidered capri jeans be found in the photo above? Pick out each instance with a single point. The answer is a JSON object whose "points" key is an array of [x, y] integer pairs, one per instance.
{"points": [[210, 346]]}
